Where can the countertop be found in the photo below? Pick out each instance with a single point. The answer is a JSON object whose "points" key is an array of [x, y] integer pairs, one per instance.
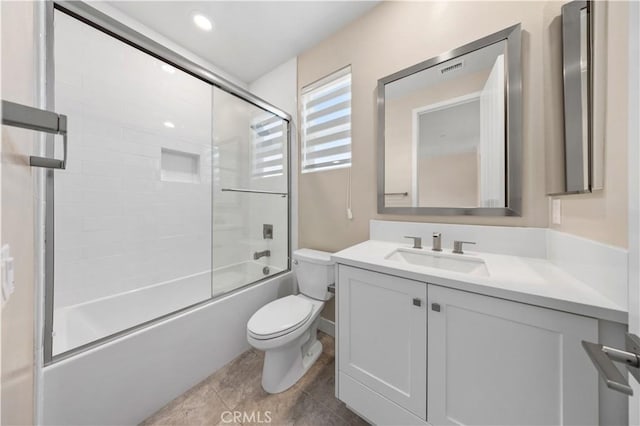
{"points": [[521, 279]]}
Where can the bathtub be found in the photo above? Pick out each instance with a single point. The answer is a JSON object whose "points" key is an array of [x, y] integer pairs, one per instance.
{"points": [[158, 362], [83, 323]]}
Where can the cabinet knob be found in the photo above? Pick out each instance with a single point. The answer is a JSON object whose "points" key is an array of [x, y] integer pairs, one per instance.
{"points": [[417, 302], [435, 307]]}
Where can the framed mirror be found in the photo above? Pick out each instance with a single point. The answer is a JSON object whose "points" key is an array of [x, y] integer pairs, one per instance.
{"points": [[583, 142], [450, 132]]}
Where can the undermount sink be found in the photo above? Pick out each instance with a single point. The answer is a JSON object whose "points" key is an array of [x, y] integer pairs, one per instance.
{"points": [[450, 262]]}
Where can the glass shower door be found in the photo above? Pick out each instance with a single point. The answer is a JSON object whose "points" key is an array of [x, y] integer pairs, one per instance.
{"points": [[133, 209], [175, 192], [250, 187]]}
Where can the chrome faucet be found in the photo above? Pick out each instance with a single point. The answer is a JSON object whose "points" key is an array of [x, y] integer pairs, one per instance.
{"points": [[437, 242], [457, 246], [257, 255], [417, 242]]}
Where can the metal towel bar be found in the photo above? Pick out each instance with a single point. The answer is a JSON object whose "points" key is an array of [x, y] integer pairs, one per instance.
{"points": [[603, 357], [30, 118], [254, 191]]}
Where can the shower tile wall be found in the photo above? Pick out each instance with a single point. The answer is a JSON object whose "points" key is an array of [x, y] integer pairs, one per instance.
{"points": [[118, 225]]}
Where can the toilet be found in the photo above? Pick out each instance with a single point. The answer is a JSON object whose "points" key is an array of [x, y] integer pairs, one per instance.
{"points": [[287, 328]]}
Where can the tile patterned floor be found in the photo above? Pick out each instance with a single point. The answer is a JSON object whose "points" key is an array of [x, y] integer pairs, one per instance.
{"points": [[237, 388]]}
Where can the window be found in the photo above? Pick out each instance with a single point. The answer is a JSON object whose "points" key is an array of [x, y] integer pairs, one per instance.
{"points": [[326, 123], [268, 144]]}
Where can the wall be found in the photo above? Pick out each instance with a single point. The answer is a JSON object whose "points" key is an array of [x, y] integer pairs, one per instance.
{"points": [[634, 191], [19, 65], [391, 37], [459, 171], [602, 215], [395, 35]]}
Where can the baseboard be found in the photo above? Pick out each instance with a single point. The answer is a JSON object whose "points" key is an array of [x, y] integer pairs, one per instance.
{"points": [[327, 326]]}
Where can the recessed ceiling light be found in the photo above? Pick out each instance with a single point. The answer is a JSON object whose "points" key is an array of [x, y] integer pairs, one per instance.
{"points": [[168, 68], [169, 125], [202, 22]]}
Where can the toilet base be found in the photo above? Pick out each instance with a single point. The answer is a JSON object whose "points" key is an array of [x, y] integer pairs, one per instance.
{"points": [[284, 366]]}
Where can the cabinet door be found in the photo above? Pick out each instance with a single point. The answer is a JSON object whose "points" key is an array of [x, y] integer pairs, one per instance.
{"points": [[491, 361], [382, 335]]}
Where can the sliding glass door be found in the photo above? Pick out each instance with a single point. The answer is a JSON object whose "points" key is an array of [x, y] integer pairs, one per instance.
{"points": [[176, 191]]}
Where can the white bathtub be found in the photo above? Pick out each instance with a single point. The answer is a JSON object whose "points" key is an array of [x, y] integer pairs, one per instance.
{"points": [[125, 380], [87, 322]]}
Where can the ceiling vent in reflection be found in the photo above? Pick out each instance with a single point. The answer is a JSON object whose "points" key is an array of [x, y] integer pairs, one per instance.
{"points": [[453, 67]]}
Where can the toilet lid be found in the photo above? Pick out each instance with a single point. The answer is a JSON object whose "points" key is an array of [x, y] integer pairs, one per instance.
{"points": [[280, 316]]}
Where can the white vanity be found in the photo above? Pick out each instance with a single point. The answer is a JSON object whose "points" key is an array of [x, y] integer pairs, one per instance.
{"points": [[428, 337]]}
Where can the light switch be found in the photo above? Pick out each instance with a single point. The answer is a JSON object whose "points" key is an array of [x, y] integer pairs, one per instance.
{"points": [[556, 212]]}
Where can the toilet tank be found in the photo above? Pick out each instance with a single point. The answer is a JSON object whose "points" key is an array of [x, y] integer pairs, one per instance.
{"points": [[314, 270]]}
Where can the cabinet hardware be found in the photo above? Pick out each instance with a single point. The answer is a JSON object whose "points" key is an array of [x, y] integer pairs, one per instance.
{"points": [[417, 302], [435, 307]]}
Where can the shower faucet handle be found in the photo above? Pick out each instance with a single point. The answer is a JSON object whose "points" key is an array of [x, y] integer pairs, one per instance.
{"points": [[417, 242]]}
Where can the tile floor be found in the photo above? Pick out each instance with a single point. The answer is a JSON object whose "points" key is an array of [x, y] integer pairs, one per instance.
{"points": [[236, 387]]}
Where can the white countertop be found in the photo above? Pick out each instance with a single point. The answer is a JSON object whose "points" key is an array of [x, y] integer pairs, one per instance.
{"points": [[521, 279]]}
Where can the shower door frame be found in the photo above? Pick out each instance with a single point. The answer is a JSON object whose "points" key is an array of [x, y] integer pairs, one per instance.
{"points": [[106, 24]]}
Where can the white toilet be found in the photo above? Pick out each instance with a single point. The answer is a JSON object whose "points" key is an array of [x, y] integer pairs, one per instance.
{"points": [[286, 329]]}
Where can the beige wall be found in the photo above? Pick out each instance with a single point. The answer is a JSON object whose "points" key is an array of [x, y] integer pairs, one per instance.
{"points": [[18, 85], [459, 171], [602, 216], [395, 35]]}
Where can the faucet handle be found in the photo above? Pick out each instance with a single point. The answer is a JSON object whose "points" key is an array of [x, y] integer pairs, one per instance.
{"points": [[417, 242], [457, 246]]}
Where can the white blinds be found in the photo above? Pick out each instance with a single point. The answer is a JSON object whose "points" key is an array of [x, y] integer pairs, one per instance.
{"points": [[268, 144], [326, 123]]}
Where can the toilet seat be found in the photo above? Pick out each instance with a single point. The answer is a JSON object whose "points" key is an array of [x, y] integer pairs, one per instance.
{"points": [[280, 317]]}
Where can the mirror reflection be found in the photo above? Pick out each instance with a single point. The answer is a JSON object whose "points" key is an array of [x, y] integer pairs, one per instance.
{"points": [[445, 143]]}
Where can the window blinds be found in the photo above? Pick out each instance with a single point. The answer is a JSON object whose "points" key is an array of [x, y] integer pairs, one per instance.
{"points": [[268, 145], [326, 123]]}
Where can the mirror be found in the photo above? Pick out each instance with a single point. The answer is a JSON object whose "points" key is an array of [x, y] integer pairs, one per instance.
{"points": [[449, 132], [583, 148]]}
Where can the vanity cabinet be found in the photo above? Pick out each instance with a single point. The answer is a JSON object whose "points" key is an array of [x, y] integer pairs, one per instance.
{"points": [[493, 361], [416, 353], [383, 344]]}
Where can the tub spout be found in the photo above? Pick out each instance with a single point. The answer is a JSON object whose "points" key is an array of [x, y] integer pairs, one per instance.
{"points": [[257, 255]]}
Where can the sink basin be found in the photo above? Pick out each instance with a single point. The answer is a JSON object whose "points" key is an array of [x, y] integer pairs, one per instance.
{"points": [[450, 262]]}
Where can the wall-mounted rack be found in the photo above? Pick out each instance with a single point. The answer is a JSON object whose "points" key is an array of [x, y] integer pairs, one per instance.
{"points": [[30, 118]]}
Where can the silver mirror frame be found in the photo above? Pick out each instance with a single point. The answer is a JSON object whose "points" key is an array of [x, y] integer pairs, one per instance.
{"points": [[577, 145], [512, 36]]}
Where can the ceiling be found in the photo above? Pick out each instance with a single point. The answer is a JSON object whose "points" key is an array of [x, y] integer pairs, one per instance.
{"points": [[250, 38]]}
